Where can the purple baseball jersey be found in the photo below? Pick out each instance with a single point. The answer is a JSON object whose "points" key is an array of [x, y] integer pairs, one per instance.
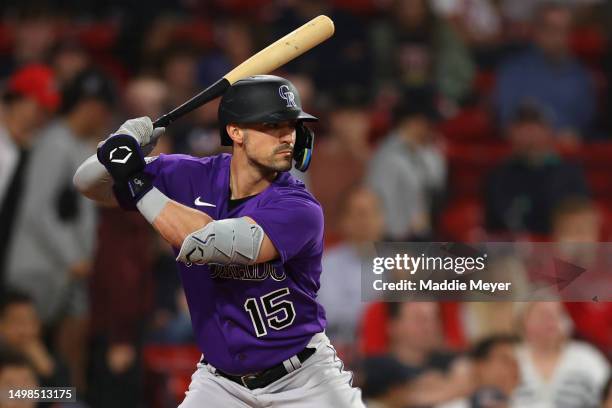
{"points": [[249, 318]]}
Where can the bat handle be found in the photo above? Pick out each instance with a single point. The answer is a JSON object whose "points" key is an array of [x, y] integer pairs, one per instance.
{"points": [[207, 95], [162, 121]]}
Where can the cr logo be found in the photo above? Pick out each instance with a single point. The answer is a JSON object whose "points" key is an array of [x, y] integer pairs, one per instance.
{"points": [[287, 95], [119, 159]]}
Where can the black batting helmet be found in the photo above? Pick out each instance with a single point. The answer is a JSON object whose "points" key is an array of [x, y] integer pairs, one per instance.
{"points": [[270, 99]]}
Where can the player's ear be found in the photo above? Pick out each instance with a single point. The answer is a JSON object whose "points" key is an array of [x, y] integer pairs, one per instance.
{"points": [[234, 132]]}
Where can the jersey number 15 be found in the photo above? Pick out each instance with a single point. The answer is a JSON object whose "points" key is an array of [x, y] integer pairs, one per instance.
{"points": [[278, 313]]}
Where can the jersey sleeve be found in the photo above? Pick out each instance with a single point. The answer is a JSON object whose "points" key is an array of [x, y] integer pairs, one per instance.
{"points": [[157, 168], [293, 222]]}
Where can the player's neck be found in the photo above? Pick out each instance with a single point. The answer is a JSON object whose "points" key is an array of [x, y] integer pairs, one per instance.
{"points": [[247, 179]]}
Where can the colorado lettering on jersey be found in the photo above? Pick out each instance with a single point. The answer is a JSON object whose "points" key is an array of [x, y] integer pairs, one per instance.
{"points": [[257, 272]]}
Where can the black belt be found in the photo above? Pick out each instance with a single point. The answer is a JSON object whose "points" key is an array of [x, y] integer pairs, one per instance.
{"points": [[265, 377]]}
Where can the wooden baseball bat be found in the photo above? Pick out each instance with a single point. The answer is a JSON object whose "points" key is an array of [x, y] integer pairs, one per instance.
{"points": [[273, 56]]}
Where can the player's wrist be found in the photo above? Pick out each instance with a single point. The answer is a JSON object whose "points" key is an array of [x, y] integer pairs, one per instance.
{"points": [[138, 193], [151, 204]]}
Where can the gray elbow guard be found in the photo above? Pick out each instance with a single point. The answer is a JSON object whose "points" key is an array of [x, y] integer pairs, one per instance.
{"points": [[230, 241]]}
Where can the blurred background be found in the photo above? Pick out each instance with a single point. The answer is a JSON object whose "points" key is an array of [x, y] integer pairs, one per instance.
{"points": [[454, 120]]}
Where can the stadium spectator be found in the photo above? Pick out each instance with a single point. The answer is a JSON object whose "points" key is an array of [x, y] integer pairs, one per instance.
{"points": [[51, 250], [408, 171], [69, 58], [521, 192], [197, 133], [118, 318], [121, 294], [148, 96], [145, 96], [548, 75], [179, 73], [414, 49], [386, 382], [20, 329], [415, 339], [16, 373], [478, 21], [495, 373], [577, 229], [555, 370], [176, 328], [35, 33], [202, 138], [342, 152], [53, 244], [349, 50], [361, 224], [29, 98]]}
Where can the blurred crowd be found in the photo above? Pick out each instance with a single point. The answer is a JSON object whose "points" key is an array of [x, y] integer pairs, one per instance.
{"points": [[464, 120]]}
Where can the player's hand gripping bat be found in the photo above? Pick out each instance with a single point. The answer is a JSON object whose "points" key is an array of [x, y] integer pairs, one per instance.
{"points": [[273, 56]]}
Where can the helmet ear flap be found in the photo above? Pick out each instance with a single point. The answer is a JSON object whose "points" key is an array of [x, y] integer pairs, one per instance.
{"points": [[304, 145]]}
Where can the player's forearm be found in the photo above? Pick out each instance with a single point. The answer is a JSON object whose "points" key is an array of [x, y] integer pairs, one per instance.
{"points": [[172, 220], [93, 181]]}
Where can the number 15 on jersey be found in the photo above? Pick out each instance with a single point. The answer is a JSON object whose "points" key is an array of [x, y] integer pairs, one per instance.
{"points": [[278, 313]]}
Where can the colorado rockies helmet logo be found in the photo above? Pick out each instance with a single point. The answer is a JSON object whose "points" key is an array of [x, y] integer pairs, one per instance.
{"points": [[285, 93]]}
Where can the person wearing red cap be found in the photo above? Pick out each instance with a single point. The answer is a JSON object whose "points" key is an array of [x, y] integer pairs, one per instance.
{"points": [[27, 104], [50, 259]]}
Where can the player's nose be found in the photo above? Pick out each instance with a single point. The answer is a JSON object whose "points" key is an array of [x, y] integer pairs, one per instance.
{"points": [[287, 135]]}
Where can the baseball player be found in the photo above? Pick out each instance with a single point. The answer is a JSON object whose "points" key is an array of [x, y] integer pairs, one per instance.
{"points": [[248, 239]]}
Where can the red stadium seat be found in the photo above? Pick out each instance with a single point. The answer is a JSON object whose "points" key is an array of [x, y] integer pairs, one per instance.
{"points": [[485, 82], [463, 221], [198, 33], [469, 163], [595, 159], [471, 124], [243, 7], [98, 36], [589, 44], [373, 336], [6, 38], [605, 212], [360, 7]]}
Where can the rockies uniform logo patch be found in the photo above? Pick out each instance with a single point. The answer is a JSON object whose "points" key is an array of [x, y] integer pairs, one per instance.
{"points": [[287, 95]]}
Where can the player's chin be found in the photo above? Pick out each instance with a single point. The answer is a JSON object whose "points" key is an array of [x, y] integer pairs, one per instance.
{"points": [[283, 164]]}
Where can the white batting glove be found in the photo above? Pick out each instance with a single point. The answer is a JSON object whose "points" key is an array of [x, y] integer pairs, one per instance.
{"points": [[142, 130]]}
